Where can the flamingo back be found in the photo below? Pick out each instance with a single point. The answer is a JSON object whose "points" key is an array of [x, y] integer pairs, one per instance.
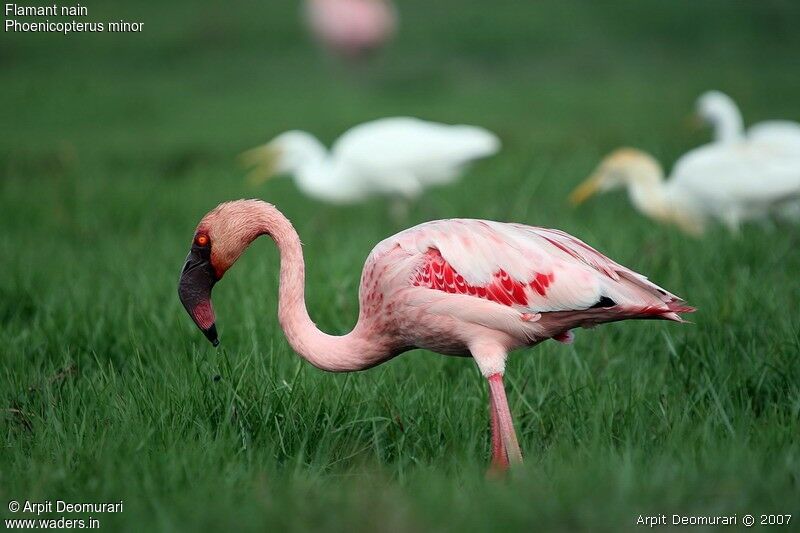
{"points": [[531, 270]]}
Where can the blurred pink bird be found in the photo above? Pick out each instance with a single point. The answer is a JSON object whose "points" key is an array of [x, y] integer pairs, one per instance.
{"points": [[458, 287], [351, 28]]}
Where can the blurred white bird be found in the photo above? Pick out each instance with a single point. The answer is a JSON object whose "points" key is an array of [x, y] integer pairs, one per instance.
{"points": [[720, 111], [397, 157], [768, 137], [351, 28], [715, 181]]}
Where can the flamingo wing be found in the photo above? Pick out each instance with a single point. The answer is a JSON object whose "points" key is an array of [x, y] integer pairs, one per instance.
{"points": [[533, 270]]}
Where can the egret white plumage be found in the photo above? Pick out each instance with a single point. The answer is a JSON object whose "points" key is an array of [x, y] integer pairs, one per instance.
{"points": [[398, 157], [715, 181], [721, 112]]}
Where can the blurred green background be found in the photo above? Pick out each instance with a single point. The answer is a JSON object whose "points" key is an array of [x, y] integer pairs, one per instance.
{"points": [[114, 145]]}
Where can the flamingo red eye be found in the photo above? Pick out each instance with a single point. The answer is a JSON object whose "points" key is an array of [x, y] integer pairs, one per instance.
{"points": [[201, 240]]}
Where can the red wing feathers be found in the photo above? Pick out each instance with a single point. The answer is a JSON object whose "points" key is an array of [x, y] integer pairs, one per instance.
{"points": [[436, 273]]}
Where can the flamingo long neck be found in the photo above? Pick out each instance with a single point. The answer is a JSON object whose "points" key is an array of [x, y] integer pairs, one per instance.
{"points": [[350, 352], [728, 123]]}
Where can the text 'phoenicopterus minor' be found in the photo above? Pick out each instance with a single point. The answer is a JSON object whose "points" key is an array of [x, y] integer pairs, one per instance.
{"points": [[458, 287]]}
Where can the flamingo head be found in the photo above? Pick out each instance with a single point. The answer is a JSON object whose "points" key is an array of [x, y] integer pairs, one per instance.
{"points": [[622, 167], [220, 238]]}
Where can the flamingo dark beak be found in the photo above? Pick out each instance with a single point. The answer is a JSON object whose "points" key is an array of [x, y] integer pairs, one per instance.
{"points": [[194, 289]]}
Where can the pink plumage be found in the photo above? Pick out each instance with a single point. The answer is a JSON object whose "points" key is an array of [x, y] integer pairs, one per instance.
{"points": [[458, 287], [351, 28]]}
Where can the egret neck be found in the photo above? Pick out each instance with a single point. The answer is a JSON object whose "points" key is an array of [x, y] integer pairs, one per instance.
{"points": [[325, 180], [654, 197], [727, 121]]}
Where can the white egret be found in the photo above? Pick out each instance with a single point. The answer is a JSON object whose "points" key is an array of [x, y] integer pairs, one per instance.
{"points": [[715, 181], [397, 157], [720, 111]]}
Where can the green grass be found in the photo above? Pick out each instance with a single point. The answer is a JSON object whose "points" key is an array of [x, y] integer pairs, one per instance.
{"points": [[115, 145]]}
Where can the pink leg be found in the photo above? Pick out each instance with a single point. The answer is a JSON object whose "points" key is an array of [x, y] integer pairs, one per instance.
{"points": [[499, 456], [508, 436]]}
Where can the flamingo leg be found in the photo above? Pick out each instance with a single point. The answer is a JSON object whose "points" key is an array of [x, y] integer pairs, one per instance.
{"points": [[508, 436], [499, 455]]}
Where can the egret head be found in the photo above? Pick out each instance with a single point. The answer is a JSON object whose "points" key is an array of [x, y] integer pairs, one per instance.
{"points": [[284, 154], [712, 107], [220, 238], [622, 167]]}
